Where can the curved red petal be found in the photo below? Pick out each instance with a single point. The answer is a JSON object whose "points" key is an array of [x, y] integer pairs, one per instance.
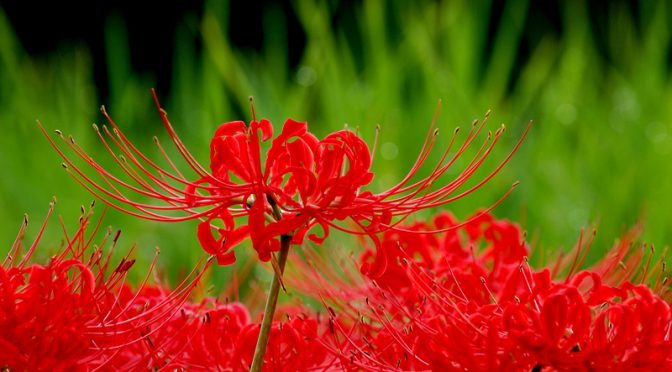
{"points": [[231, 128], [207, 239]]}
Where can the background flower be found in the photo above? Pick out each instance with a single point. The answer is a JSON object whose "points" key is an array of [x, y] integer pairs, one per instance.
{"points": [[468, 299]]}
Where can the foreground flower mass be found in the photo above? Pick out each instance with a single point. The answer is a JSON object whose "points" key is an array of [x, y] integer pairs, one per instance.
{"points": [[465, 299], [468, 300]]}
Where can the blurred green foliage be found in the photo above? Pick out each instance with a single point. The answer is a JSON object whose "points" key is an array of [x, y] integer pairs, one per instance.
{"points": [[600, 151]]}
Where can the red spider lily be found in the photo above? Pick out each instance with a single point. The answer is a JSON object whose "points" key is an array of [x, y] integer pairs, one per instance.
{"points": [[221, 336], [77, 312], [468, 300], [301, 182], [465, 299]]}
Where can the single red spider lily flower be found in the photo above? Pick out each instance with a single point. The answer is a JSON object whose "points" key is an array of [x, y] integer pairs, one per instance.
{"points": [[300, 183], [77, 312], [468, 300]]}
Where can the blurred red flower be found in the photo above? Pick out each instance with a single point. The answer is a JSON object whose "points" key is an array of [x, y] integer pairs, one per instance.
{"points": [[468, 300], [463, 299], [77, 312]]}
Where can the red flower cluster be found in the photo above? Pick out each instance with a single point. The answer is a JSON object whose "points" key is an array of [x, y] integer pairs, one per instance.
{"points": [[77, 312], [468, 300], [301, 182], [211, 335], [462, 300]]}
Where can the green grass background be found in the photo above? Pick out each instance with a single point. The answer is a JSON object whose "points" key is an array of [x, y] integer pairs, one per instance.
{"points": [[600, 151]]}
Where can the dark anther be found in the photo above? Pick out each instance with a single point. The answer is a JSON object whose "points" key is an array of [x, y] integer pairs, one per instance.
{"points": [[270, 199]]}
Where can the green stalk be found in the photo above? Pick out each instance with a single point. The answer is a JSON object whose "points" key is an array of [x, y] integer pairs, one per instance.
{"points": [[271, 302]]}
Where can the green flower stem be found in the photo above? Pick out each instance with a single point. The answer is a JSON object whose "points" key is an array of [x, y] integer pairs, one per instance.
{"points": [[269, 311]]}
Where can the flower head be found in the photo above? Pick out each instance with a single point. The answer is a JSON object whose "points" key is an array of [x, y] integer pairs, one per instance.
{"points": [[77, 312], [299, 183], [469, 300]]}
